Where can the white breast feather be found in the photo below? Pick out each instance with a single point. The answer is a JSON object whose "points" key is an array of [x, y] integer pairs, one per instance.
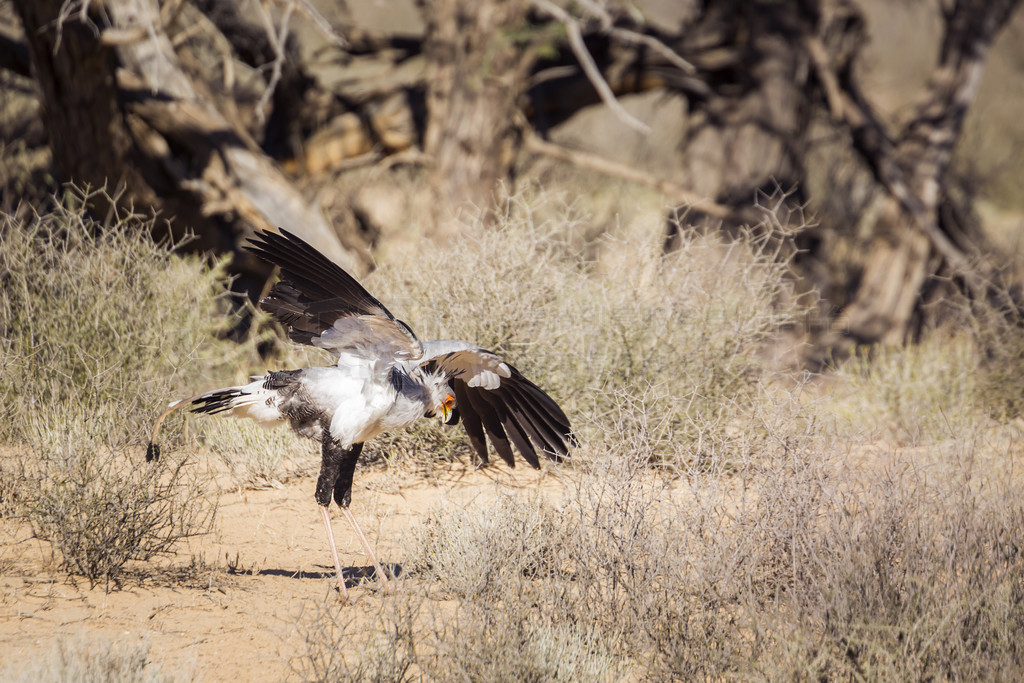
{"points": [[362, 406]]}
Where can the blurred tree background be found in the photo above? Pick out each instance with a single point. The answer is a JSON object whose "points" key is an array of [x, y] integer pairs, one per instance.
{"points": [[890, 129]]}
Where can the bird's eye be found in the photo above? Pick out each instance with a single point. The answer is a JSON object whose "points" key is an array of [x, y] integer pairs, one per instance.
{"points": [[449, 401]]}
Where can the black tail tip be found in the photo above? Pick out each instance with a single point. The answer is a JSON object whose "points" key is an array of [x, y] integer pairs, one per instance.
{"points": [[152, 452]]}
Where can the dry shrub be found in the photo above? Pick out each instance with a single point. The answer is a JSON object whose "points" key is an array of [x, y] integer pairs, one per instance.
{"points": [[1002, 374], [515, 642], [997, 328], [99, 326], [91, 660], [917, 394], [504, 561], [471, 606], [342, 646], [99, 319], [100, 508], [603, 585], [457, 545], [912, 575], [404, 636]]}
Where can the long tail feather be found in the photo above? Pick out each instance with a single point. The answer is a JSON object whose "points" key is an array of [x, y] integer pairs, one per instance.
{"points": [[214, 402], [153, 448]]}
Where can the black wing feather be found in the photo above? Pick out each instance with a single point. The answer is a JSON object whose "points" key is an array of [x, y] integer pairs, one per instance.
{"points": [[540, 399], [550, 436], [513, 429], [517, 410], [528, 423], [470, 420], [314, 291], [531, 402], [492, 425], [508, 408], [322, 276], [532, 398]]}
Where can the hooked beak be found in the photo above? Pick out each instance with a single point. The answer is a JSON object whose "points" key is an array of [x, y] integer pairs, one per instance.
{"points": [[447, 407]]}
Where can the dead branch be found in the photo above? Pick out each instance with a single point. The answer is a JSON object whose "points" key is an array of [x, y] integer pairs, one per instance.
{"points": [[675, 194], [626, 35], [586, 60], [306, 8], [202, 24], [277, 39]]}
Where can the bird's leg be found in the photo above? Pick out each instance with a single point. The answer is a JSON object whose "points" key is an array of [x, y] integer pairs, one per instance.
{"points": [[330, 468], [346, 464], [334, 552], [366, 544]]}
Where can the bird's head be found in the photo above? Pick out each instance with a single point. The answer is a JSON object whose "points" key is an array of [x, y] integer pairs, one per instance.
{"points": [[443, 401], [447, 409]]}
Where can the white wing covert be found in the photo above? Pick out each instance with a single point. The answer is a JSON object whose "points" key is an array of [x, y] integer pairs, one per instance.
{"points": [[370, 337]]}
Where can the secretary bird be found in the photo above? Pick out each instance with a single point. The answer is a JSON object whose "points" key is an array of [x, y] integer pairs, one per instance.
{"points": [[385, 379]]}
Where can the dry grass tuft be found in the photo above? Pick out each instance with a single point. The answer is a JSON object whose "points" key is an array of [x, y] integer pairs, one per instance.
{"points": [[914, 395]]}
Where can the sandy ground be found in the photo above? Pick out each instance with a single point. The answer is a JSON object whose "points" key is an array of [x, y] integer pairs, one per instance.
{"points": [[227, 606]]}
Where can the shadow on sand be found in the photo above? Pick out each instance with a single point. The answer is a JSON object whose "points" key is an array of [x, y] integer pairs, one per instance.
{"points": [[353, 575]]}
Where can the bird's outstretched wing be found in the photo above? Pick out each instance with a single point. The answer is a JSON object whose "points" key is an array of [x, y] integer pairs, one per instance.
{"points": [[494, 399], [324, 306]]}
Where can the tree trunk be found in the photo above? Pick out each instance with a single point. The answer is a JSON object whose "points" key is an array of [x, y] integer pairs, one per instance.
{"points": [[895, 270], [474, 78], [912, 170], [80, 96]]}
